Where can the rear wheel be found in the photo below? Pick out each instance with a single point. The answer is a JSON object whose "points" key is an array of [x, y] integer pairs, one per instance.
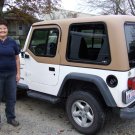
{"points": [[85, 112]]}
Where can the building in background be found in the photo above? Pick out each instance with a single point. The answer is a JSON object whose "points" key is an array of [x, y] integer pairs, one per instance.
{"points": [[18, 25], [61, 14]]}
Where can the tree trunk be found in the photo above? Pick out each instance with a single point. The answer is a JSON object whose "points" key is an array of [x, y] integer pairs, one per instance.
{"points": [[1, 7]]}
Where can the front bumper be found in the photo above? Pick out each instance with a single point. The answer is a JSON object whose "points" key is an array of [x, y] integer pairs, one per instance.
{"points": [[127, 113]]}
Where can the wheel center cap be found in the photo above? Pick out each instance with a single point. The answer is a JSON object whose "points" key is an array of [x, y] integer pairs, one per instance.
{"points": [[83, 113]]}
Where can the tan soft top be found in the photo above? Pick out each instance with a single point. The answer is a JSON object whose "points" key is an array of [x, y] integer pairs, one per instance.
{"points": [[116, 35], [104, 18]]}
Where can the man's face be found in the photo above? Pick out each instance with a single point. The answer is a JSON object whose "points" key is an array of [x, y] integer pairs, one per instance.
{"points": [[3, 31]]}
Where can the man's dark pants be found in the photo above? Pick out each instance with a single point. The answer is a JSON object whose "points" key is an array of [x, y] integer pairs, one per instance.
{"points": [[8, 88]]}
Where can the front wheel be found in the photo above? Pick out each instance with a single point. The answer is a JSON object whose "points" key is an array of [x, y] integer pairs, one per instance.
{"points": [[85, 112]]}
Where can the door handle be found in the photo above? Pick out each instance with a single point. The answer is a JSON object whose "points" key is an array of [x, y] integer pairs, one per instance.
{"points": [[51, 69]]}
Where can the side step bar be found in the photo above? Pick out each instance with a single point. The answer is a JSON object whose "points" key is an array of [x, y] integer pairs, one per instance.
{"points": [[22, 86], [43, 96]]}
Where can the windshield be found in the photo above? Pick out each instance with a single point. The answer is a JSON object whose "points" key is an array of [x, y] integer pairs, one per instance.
{"points": [[130, 39]]}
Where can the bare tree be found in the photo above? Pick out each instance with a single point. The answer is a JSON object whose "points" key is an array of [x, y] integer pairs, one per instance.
{"points": [[31, 7], [36, 7], [109, 6], [1, 7], [132, 6], [7, 4]]}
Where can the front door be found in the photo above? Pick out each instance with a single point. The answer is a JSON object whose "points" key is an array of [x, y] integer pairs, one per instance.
{"points": [[42, 59]]}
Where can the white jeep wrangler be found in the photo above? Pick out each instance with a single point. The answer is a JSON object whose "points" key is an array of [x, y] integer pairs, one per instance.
{"points": [[89, 62]]}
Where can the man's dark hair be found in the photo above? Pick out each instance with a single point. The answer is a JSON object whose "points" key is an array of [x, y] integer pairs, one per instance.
{"points": [[3, 22]]}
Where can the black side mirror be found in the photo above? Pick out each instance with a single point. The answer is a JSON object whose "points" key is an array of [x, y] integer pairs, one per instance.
{"points": [[27, 56], [22, 54]]}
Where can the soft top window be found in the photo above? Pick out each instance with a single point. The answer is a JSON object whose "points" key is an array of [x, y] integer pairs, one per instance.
{"points": [[88, 43], [130, 39]]}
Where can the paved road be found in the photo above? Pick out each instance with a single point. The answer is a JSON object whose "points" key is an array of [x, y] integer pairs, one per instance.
{"points": [[41, 118]]}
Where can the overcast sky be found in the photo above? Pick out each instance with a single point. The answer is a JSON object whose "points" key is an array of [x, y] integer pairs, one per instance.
{"points": [[70, 5], [75, 5]]}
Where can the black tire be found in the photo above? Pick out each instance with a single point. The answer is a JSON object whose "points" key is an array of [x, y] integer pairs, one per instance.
{"points": [[88, 116]]}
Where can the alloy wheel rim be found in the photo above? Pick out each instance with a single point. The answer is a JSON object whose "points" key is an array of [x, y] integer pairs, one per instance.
{"points": [[82, 113]]}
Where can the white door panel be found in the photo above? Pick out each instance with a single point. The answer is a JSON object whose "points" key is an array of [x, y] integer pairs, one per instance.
{"points": [[39, 72]]}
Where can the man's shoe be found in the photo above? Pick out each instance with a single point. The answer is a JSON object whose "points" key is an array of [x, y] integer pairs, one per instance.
{"points": [[13, 122]]}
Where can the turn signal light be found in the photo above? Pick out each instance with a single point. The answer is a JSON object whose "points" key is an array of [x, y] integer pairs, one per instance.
{"points": [[131, 83]]}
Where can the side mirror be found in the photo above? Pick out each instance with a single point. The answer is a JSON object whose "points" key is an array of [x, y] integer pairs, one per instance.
{"points": [[22, 54], [27, 56]]}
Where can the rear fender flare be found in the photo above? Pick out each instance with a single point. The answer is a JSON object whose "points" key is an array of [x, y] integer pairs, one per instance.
{"points": [[98, 81]]}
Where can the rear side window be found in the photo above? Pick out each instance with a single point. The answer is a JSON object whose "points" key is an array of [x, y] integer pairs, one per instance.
{"points": [[130, 39], [88, 42]]}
